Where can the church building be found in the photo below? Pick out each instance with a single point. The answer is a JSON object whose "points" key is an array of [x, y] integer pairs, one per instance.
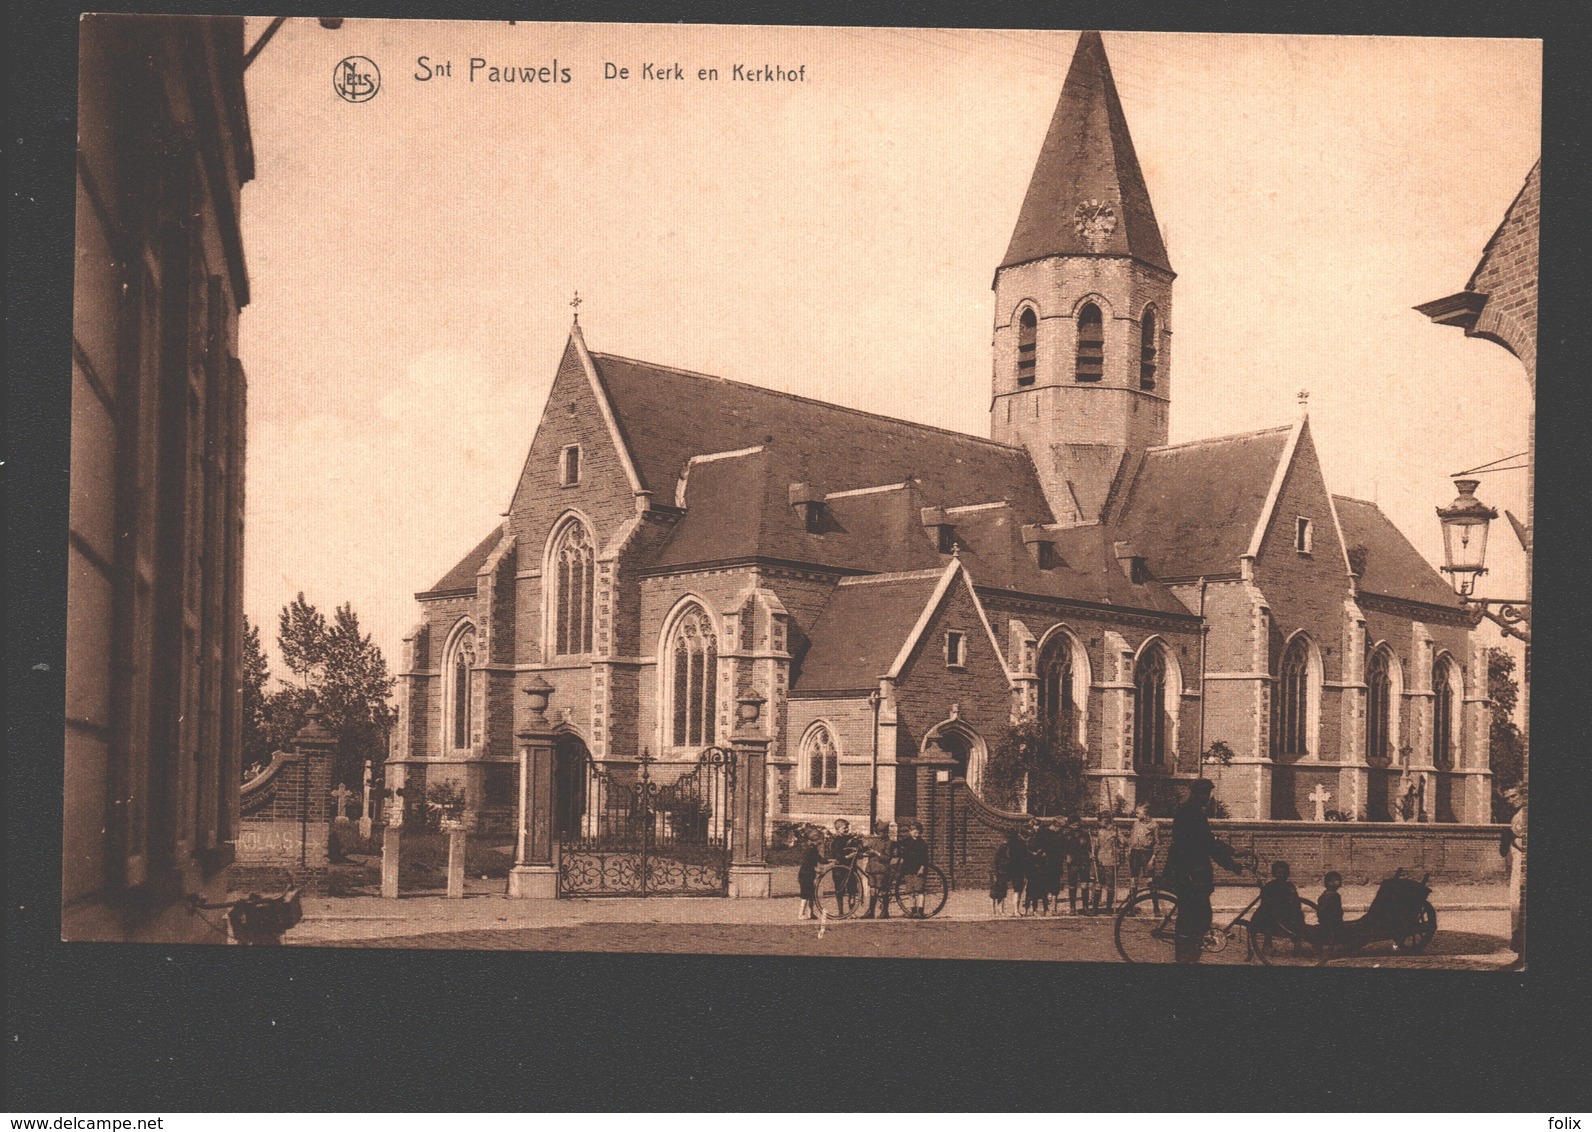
{"points": [[677, 539]]}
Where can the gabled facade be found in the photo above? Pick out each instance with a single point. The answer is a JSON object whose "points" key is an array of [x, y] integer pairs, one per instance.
{"points": [[677, 540]]}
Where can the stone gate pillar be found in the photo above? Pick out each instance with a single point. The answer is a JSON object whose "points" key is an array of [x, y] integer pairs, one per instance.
{"points": [[749, 872], [535, 874], [934, 770]]}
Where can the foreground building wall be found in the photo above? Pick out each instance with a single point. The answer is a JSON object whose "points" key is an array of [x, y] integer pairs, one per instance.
{"points": [[154, 597]]}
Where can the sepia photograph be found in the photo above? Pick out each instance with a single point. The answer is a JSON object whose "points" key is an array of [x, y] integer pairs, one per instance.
{"points": [[868, 493]]}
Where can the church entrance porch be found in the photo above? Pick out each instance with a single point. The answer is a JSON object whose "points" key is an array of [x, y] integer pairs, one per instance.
{"points": [[642, 826]]}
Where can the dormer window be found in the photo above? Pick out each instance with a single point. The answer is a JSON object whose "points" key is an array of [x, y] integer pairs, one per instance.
{"points": [[955, 649], [1304, 535], [1027, 346], [569, 466], [1147, 350], [1091, 357], [809, 504]]}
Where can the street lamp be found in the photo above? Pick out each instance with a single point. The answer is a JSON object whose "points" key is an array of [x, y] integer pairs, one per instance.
{"points": [[1465, 522]]}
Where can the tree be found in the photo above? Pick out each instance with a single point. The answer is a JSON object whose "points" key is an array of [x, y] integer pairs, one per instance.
{"points": [[1506, 747], [1032, 767], [257, 744], [343, 674]]}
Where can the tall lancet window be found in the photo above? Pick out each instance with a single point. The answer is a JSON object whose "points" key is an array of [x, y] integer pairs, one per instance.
{"points": [[693, 658], [1149, 709], [1027, 346], [461, 662], [1055, 687], [1443, 713], [1378, 706], [1292, 716], [1148, 348], [574, 581], [1091, 357]]}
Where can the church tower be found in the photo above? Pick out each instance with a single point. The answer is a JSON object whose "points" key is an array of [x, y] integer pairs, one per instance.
{"points": [[1083, 302]]}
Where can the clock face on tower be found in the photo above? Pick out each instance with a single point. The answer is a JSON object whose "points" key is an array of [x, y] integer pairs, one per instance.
{"points": [[1094, 220]]}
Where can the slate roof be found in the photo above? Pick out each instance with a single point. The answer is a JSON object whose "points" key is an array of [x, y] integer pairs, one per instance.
{"points": [[1393, 567], [881, 532], [1087, 155], [666, 416], [1085, 564], [462, 576], [857, 636], [1191, 508]]}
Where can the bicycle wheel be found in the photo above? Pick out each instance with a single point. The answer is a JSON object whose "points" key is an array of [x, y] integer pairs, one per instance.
{"points": [[1297, 945], [837, 892], [1414, 941], [935, 892], [1145, 929]]}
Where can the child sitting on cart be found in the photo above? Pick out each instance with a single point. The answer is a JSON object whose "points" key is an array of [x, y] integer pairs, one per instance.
{"points": [[1279, 913]]}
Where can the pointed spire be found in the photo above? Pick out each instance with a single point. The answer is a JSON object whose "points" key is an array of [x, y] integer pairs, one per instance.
{"points": [[1087, 195]]}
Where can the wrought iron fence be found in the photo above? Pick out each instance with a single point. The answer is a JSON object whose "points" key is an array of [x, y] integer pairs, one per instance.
{"points": [[646, 826]]}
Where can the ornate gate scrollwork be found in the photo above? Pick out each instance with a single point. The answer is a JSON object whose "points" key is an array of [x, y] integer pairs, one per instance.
{"points": [[647, 826]]}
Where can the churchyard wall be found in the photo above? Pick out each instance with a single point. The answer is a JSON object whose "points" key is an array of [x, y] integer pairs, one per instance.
{"points": [[964, 833]]}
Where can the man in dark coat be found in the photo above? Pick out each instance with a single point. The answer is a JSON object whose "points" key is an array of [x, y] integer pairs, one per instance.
{"points": [[1189, 872]]}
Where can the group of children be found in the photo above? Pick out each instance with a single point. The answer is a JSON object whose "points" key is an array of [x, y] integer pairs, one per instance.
{"points": [[889, 861], [1038, 860], [1041, 858]]}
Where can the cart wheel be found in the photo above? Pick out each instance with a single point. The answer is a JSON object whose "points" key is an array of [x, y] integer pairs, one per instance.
{"points": [[1292, 947], [1417, 938]]}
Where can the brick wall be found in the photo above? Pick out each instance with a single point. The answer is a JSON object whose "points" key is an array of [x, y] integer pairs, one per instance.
{"points": [[964, 833], [1507, 274], [850, 721], [287, 813], [927, 688]]}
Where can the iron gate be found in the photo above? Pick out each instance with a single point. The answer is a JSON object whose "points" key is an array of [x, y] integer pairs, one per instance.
{"points": [[644, 826]]}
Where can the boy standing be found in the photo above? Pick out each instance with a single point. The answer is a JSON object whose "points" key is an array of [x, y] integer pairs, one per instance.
{"points": [[1107, 855], [1144, 838], [913, 856]]}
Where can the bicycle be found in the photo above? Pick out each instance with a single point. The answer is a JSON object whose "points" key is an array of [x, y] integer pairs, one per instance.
{"points": [[935, 892], [843, 888], [1146, 932], [848, 884]]}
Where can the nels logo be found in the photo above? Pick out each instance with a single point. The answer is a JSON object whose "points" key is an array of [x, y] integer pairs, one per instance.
{"points": [[356, 79]]}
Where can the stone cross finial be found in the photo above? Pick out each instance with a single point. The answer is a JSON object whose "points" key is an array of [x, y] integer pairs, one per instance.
{"points": [[1304, 402], [1320, 796], [575, 303]]}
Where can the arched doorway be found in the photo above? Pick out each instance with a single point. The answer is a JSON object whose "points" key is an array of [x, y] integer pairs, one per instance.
{"points": [[965, 748], [569, 787]]}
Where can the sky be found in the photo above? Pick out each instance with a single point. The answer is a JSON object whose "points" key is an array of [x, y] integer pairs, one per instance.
{"points": [[412, 257]]}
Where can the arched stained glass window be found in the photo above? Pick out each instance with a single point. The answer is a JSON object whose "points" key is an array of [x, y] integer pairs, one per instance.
{"points": [[1055, 686], [693, 656], [1378, 706], [1292, 712], [574, 581], [461, 661], [1443, 713], [1149, 709], [821, 759], [1091, 357]]}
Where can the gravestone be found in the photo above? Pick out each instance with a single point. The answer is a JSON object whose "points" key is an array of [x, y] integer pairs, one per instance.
{"points": [[1320, 796], [342, 794]]}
